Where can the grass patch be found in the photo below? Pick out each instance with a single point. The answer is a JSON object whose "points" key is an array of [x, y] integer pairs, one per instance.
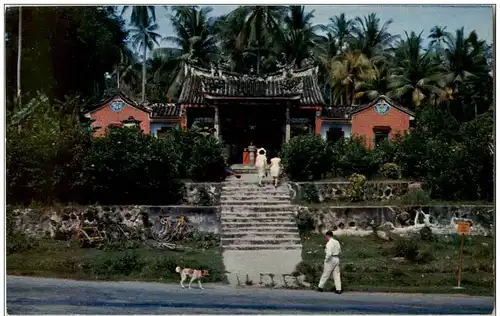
{"points": [[394, 203], [367, 264], [57, 259]]}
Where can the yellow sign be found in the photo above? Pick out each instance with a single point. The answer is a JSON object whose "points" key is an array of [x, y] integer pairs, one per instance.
{"points": [[463, 228]]}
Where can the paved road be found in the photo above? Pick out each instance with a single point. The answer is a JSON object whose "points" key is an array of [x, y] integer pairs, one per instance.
{"points": [[51, 296]]}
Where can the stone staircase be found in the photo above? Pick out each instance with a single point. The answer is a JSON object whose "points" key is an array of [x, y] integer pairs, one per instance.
{"points": [[257, 218]]}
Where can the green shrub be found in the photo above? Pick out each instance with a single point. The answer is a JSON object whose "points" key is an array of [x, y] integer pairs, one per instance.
{"points": [[305, 223], [125, 264], [357, 187], [426, 234], [205, 240], [306, 157], [416, 197], [128, 167], [311, 270], [352, 156], [311, 193], [406, 248], [203, 158], [390, 171]]}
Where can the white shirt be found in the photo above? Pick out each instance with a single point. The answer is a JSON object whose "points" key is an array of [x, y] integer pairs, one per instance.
{"points": [[332, 249]]}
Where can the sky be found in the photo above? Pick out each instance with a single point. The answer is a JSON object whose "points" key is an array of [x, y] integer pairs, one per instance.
{"points": [[405, 17]]}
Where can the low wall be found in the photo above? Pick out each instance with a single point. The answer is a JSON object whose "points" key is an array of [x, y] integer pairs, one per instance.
{"points": [[360, 220], [337, 191], [202, 193], [52, 222]]}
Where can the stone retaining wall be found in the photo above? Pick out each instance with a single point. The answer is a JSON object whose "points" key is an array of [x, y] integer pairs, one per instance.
{"points": [[337, 191], [360, 220], [51, 222]]}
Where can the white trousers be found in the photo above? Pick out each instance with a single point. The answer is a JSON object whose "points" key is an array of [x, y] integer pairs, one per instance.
{"points": [[331, 266]]}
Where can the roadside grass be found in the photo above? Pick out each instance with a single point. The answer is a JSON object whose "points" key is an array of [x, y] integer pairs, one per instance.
{"points": [[58, 259], [394, 203], [368, 264]]}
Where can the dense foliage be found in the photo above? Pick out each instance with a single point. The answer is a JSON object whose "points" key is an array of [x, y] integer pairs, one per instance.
{"points": [[454, 161], [52, 157]]}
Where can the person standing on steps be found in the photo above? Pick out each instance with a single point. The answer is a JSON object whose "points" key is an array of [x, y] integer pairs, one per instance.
{"points": [[275, 170], [331, 264], [261, 164]]}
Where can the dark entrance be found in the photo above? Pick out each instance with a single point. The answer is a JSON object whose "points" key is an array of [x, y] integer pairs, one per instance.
{"points": [[262, 125]]}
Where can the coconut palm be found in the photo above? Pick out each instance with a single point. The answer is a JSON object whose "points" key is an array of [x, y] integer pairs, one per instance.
{"points": [[341, 29], [140, 14], [376, 84], [299, 35], [347, 70], [144, 37], [369, 38], [262, 26], [194, 35], [437, 35], [226, 29], [19, 54], [415, 76]]}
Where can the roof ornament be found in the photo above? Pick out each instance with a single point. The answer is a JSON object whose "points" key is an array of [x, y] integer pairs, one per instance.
{"points": [[281, 61]]}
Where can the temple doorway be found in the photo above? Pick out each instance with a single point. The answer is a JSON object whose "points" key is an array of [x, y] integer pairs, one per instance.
{"points": [[251, 125]]}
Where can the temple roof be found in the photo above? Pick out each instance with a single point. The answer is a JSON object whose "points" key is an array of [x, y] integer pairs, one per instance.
{"points": [[165, 110], [201, 85], [346, 111]]}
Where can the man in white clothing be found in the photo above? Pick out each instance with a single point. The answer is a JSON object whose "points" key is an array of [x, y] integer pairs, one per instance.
{"points": [[332, 263]]}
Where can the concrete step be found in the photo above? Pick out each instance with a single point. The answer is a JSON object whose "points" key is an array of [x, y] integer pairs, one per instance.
{"points": [[257, 220], [288, 226], [262, 247], [254, 196], [253, 186], [230, 208], [260, 241], [249, 234], [255, 202], [258, 215], [257, 209]]}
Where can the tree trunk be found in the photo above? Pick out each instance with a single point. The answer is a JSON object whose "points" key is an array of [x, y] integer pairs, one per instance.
{"points": [[19, 48], [118, 77], [144, 72], [258, 59]]}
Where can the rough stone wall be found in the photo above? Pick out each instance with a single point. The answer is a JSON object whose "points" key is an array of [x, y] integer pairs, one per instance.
{"points": [[202, 193], [337, 191], [51, 222], [360, 220]]}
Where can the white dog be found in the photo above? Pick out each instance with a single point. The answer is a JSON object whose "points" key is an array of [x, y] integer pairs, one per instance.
{"points": [[194, 274]]}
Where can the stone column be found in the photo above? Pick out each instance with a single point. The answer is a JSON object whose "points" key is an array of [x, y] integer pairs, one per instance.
{"points": [[216, 122], [287, 124]]}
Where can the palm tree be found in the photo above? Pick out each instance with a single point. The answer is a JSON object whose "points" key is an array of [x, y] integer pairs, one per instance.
{"points": [[19, 54], [415, 76], [374, 85], [261, 27], [300, 37], [369, 38], [341, 29], [437, 35], [346, 71], [226, 29], [140, 14], [143, 38], [194, 35]]}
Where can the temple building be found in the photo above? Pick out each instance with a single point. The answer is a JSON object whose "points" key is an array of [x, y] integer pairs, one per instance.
{"points": [[249, 111]]}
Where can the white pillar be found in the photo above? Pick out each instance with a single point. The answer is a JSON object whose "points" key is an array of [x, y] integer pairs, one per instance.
{"points": [[216, 122], [287, 124]]}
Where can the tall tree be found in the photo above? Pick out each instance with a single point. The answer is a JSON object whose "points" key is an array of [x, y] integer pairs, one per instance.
{"points": [[369, 37], [261, 27], [415, 76], [341, 29], [437, 36], [140, 14], [144, 37], [19, 54]]}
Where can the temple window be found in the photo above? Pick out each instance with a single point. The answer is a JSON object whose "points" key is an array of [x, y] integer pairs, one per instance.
{"points": [[334, 134], [164, 130], [131, 122], [381, 134]]}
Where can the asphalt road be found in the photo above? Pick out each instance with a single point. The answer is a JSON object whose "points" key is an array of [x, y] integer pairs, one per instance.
{"points": [[52, 296]]}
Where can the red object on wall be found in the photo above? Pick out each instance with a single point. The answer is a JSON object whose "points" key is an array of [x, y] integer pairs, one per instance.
{"points": [[317, 125], [382, 112], [116, 110], [246, 157]]}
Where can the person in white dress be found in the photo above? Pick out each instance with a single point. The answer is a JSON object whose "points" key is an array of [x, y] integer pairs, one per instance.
{"points": [[275, 170], [261, 164]]}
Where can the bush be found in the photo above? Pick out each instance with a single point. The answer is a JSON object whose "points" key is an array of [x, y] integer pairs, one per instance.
{"points": [[311, 193], [203, 158], [121, 265], [306, 157], [352, 156], [426, 234], [357, 187], [416, 197], [129, 167], [311, 270], [406, 248], [390, 171], [305, 223]]}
